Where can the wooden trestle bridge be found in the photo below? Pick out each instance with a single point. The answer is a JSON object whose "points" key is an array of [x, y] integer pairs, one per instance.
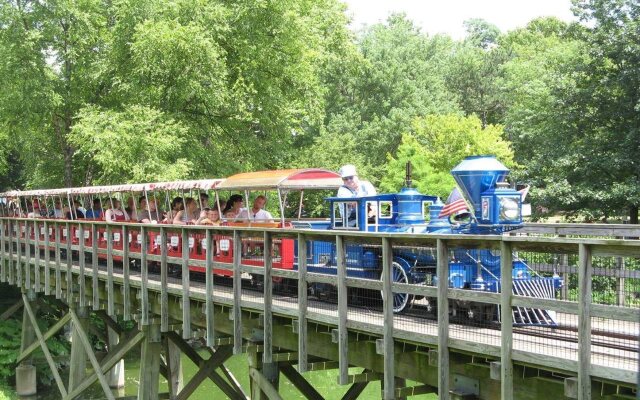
{"points": [[291, 333]]}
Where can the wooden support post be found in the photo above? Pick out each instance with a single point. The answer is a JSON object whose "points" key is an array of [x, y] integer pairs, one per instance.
{"points": [[26, 352], [47, 260], [110, 360], [111, 310], [174, 368], [27, 255], [164, 294], [43, 346], [19, 279], [210, 320], [207, 368], [343, 334], [186, 302], [144, 274], [11, 278], [126, 272], [69, 273], [584, 322], [264, 384], [78, 358], [506, 318], [95, 303], [84, 339], [300, 382], [387, 308], [264, 378], [302, 303], [36, 250], [26, 383], [58, 267], [150, 363], [564, 264], [237, 293], [620, 282], [115, 376], [443, 319], [268, 293], [3, 258], [81, 260]]}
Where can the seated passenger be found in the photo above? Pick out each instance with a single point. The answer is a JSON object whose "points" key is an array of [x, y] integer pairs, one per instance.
{"points": [[149, 214], [75, 213], [56, 211], [95, 212], [131, 208], [177, 204], [204, 202], [34, 210], [209, 216], [116, 213], [233, 207], [257, 212], [189, 214]]}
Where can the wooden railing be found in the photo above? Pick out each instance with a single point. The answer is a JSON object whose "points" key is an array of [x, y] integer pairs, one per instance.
{"points": [[24, 265]]}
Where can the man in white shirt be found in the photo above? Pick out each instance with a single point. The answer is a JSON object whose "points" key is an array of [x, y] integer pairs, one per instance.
{"points": [[257, 212], [352, 186]]}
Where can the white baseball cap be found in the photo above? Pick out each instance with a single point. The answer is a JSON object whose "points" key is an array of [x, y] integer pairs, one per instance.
{"points": [[348, 170]]}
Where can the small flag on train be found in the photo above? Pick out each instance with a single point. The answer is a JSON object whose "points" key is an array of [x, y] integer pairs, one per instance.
{"points": [[523, 192], [455, 203]]}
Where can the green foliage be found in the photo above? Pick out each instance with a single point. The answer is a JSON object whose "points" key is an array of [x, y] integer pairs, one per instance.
{"points": [[426, 179], [10, 338], [136, 145], [436, 144]]}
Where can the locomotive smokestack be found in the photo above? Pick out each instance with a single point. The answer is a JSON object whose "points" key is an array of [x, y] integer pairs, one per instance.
{"points": [[407, 178], [476, 174]]}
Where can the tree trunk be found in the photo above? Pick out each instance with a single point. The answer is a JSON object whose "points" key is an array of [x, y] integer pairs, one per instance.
{"points": [[633, 214]]}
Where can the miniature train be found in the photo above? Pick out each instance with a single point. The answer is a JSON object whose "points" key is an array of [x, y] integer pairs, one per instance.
{"points": [[495, 208]]}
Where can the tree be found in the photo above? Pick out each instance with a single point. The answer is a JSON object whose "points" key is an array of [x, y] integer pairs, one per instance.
{"points": [[475, 72], [137, 145], [397, 76], [243, 78], [436, 144], [574, 117]]}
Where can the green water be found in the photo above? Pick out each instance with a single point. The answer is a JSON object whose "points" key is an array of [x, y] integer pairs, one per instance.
{"points": [[323, 381]]}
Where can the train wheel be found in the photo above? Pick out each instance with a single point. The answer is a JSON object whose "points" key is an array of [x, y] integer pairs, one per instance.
{"points": [[400, 300]]}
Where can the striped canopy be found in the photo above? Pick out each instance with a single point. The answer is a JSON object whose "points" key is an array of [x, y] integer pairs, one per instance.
{"points": [[202, 184], [291, 179]]}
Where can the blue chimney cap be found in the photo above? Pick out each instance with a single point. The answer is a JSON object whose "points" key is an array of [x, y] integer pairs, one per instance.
{"points": [[475, 174]]}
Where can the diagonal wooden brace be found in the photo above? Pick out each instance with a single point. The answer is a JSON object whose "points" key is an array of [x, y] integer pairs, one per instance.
{"points": [[11, 310], [300, 382], [52, 331], [92, 357], [108, 362], [264, 384], [207, 369], [43, 345]]}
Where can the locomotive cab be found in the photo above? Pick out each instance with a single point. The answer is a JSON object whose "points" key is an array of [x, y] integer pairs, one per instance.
{"points": [[406, 211]]}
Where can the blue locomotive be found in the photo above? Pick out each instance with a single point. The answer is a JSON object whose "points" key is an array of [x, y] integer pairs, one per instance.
{"points": [[495, 208]]}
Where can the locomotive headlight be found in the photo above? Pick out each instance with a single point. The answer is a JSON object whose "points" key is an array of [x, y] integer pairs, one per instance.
{"points": [[509, 208]]}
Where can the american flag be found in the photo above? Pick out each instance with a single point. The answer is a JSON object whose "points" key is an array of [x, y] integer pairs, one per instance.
{"points": [[523, 192], [455, 203]]}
